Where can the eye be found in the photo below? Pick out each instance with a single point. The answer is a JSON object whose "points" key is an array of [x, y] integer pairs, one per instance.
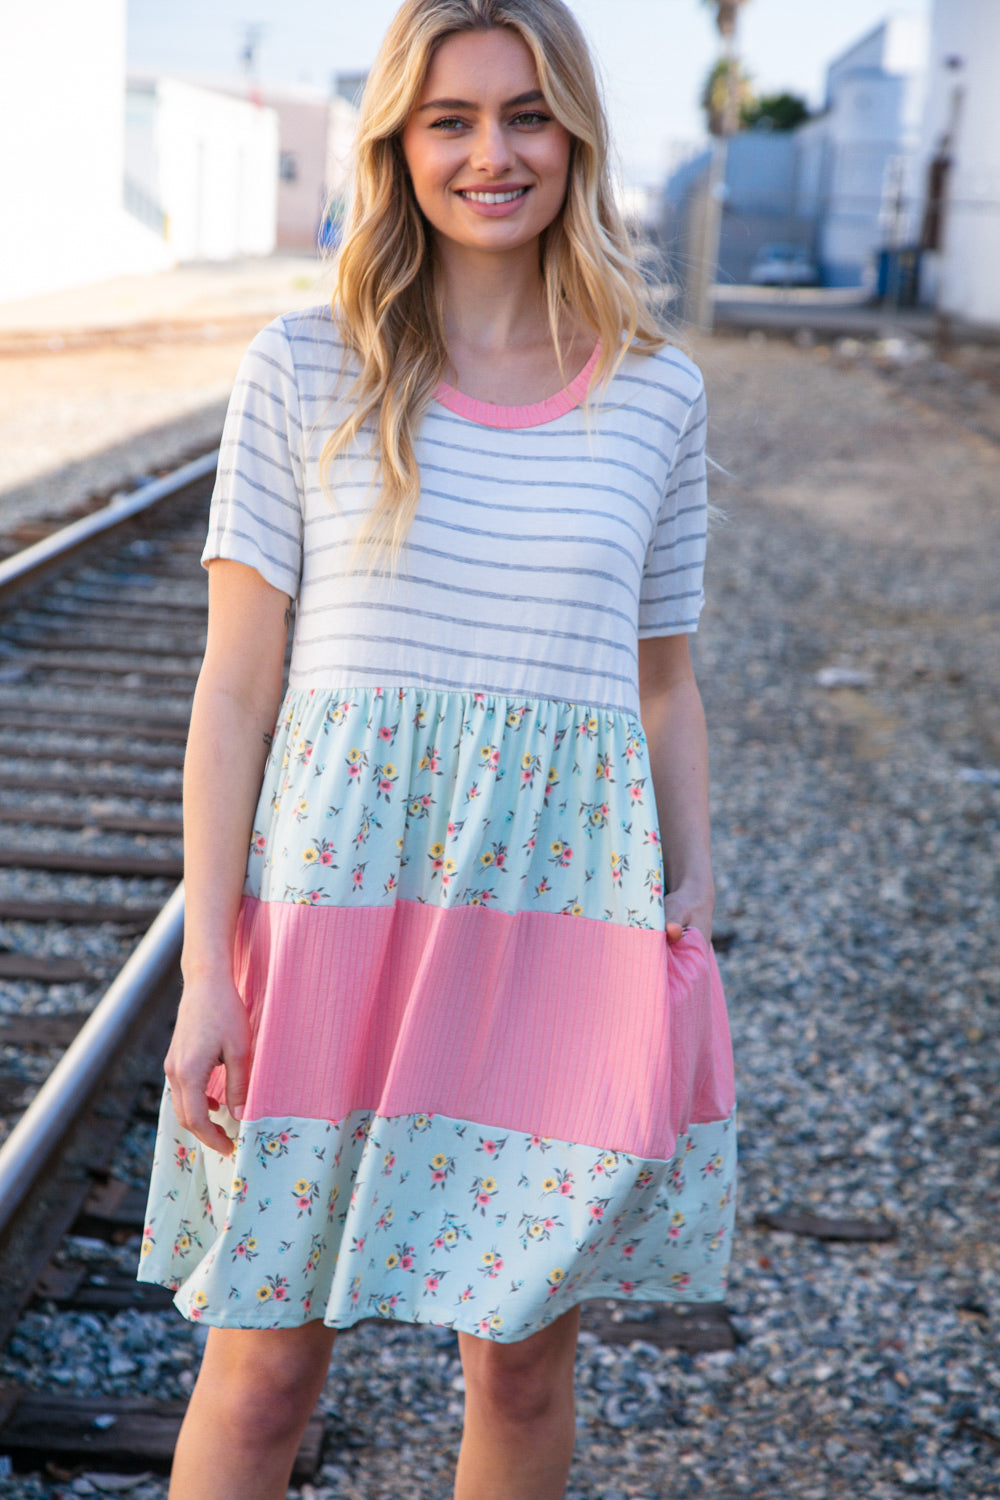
{"points": [[448, 124], [531, 117]]}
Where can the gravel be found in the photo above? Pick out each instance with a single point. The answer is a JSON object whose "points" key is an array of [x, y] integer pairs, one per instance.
{"points": [[856, 822]]}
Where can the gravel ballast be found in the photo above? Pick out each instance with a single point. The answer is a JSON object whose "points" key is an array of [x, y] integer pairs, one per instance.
{"points": [[849, 664]]}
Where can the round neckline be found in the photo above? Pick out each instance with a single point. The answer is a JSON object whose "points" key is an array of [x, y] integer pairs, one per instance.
{"points": [[488, 414]]}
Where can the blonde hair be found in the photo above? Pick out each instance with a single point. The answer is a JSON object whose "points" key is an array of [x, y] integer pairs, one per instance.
{"points": [[385, 302]]}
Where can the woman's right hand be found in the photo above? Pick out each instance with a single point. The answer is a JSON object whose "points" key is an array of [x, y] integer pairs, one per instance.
{"points": [[212, 1027]]}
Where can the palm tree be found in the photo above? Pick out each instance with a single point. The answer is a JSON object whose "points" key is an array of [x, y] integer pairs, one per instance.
{"points": [[728, 72], [726, 12]]}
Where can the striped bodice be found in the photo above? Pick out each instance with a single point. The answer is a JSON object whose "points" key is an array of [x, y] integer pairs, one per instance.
{"points": [[546, 539]]}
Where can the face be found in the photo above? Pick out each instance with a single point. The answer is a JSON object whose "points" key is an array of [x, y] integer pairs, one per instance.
{"points": [[488, 160]]}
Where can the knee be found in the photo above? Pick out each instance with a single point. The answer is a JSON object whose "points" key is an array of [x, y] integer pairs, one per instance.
{"points": [[263, 1393], [514, 1389]]}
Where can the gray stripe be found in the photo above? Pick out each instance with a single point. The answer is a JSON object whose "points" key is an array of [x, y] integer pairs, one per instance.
{"points": [[561, 434], [648, 576], [456, 620], [509, 661], [213, 546], [432, 680], [534, 458], [505, 567], [232, 498], [458, 588], [692, 536]]}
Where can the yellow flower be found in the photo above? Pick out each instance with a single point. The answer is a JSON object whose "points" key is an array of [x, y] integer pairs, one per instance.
{"points": [[383, 1308], [184, 1242], [301, 1187], [391, 1261], [200, 1300], [489, 1257], [576, 910], [609, 1160], [309, 856], [678, 1218], [592, 723], [535, 1231], [496, 1321], [489, 1184], [557, 1274], [237, 1186], [513, 719], [389, 770], [439, 1161], [263, 1294], [549, 1185], [437, 850], [487, 858], [553, 775], [450, 1236], [251, 1244], [146, 1247], [450, 867], [526, 760], [354, 757]]}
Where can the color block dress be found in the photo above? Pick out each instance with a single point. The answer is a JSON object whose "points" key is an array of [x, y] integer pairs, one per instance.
{"points": [[483, 1086]]}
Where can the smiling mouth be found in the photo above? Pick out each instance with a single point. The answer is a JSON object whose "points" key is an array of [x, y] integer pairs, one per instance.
{"points": [[507, 196]]}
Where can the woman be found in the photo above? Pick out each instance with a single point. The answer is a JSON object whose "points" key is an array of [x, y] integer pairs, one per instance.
{"points": [[449, 1053]]}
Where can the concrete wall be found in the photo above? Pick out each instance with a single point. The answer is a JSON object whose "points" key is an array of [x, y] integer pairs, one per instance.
{"points": [[62, 81], [210, 161], [963, 105]]}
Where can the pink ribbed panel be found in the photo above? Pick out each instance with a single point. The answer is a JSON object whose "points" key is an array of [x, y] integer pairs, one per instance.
{"points": [[568, 1027]]}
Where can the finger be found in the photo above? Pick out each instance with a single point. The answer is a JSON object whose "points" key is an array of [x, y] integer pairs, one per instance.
{"points": [[674, 932], [191, 1109], [237, 1081]]}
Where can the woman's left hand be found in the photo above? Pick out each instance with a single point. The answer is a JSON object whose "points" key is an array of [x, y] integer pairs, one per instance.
{"points": [[687, 907]]}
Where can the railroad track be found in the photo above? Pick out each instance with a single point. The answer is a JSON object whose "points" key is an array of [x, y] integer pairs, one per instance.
{"points": [[101, 635]]}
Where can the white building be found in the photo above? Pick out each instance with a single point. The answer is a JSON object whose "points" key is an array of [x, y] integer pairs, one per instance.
{"points": [[208, 162], [62, 128], [961, 132], [316, 139], [858, 158]]}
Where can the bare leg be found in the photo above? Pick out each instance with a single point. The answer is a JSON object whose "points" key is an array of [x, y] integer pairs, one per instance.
{"points": [[254, 1395], [519, 1415]]}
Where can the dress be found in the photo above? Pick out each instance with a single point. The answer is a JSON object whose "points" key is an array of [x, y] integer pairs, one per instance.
{"points": [[483, 1086]]}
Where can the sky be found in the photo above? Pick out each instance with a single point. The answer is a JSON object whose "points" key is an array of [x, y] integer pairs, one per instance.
{"points": [[654, 55]]}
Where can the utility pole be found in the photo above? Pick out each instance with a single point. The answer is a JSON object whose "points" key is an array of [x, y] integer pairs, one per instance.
{"points": [[707, 242]]}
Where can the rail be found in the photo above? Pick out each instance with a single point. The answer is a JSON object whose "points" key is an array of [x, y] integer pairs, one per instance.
{"points": [[27, 567]]}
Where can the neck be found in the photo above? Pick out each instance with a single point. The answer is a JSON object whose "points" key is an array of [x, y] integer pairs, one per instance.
{"points": [[491, 301]]}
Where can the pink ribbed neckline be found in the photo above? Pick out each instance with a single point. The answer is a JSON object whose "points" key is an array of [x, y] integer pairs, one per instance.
{"points": [[533, 415]]}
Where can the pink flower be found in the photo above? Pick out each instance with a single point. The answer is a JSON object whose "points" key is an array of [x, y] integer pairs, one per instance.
{"points": [[526, 775], [385, 733], [627, 1286], [490, 1146], [385, 785], [354, 771], [303, 1202], [406, 1262], [438, 1176], [284, 1137], [596, 1211], [565, 1188], [550, 1223], [628, 1251], [357, 877], [439, 1242], [431, 1283], [326, 858], [635, 792], [483, 1199]]}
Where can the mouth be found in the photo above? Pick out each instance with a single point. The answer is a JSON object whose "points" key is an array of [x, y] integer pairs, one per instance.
{"points": [[506, 195]]}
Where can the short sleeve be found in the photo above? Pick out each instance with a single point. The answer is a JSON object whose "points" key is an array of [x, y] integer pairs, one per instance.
{"points": [[672, 593], [256, 513]]}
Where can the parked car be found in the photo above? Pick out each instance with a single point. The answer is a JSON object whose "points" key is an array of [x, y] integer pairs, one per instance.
{"points": [[784, 265]]}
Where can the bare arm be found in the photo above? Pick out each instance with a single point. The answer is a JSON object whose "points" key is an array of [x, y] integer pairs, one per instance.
{"points": [[232, 717], [674, 721]]}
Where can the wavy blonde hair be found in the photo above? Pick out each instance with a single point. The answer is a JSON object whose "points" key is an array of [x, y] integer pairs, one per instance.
{"points": [[385, 302]]}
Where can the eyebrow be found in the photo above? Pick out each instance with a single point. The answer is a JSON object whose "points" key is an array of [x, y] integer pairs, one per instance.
{"points": [[535, 96]]}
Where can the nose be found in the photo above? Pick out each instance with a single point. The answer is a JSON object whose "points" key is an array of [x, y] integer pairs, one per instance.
{"points": [[490, 152]]}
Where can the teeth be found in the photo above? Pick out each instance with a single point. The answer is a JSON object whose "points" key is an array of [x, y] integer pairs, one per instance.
{"points": [[496, 197]]}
